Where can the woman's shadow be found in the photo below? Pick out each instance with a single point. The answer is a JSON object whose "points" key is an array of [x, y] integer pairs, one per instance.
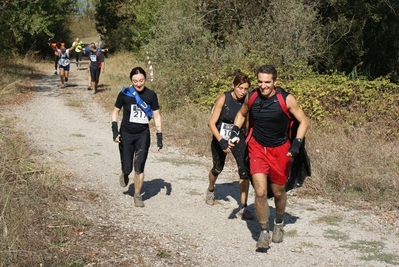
{"points": [[151, 188]]}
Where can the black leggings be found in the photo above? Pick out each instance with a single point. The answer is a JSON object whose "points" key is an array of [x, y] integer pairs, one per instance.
{"points": [[95, 74], [133, 150], [240, 153]]}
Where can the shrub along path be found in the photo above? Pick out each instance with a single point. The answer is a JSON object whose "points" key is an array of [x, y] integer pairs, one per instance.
{"points": [[176, 228]]}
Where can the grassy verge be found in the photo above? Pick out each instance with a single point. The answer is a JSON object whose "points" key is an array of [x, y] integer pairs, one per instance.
{"points": [[36, 227]]}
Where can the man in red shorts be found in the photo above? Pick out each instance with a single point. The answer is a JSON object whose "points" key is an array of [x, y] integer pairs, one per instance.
{"points": [[269, 147]]}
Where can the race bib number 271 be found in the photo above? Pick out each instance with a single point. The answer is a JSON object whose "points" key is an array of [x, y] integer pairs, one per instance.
{"points": [[137, 115]]}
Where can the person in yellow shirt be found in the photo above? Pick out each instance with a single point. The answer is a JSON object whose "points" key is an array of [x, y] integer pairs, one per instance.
{"points": [[79, 52]]}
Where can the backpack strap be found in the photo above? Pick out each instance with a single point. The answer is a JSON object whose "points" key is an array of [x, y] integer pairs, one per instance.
{"points": [[131, 92], [283, 106]]}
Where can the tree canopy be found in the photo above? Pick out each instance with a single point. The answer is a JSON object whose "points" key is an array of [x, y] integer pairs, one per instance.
{"points": [[356, 37]]}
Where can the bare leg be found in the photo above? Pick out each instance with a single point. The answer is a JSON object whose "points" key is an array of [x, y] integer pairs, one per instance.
{"points": [[261, 205], [138, 182], [89, 79], [212, 181], [243, 186], [62, 75], [280, 197]]}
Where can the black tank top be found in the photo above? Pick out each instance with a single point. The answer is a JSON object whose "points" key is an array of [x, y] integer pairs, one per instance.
{"points": [[270, 123], [229, 110]]}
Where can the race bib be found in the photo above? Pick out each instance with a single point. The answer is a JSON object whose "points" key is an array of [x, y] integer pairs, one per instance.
{"points": [[225, 130], [64, 62], [93, 58], [137, 115]]}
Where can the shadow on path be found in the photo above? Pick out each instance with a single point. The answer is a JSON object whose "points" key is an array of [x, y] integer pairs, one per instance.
{"points": [[151, 188]]}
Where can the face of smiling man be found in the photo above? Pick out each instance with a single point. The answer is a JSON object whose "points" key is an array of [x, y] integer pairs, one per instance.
{"points": [[266, 84]]}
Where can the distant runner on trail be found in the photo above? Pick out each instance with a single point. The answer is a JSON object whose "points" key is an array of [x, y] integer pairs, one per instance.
{"points": [[96, 66], [139, 104], [54, 46], [79, 52], [220, 124], [269, 147], [64, 63], [86, 50]]}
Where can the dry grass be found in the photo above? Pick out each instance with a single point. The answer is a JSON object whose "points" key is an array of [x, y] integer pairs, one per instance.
{"points": [[36, 229]]}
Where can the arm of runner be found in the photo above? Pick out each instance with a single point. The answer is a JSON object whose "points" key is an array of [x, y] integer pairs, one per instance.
{"points": [[114, 120], [216, 111], [157, 119], [240, 119], [297, 112], [103, 67]]}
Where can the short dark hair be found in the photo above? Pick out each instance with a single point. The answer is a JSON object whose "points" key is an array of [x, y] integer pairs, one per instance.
{"points": [[268, 69], [241, 78], [138, 70]]}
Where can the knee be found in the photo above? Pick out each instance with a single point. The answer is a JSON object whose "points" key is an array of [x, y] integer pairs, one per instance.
{"points": [[215, 171], [260, 193], [278, 194]]}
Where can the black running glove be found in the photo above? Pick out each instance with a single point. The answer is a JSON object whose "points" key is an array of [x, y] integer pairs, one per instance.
{"points": [[159, 140], [295, 146], [223, 144], [114, 130], [235, 132]]}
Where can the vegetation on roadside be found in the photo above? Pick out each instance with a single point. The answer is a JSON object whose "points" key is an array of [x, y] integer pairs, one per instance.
{"points": [[36, 227]]}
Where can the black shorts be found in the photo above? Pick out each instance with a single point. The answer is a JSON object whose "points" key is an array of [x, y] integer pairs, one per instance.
{"points": [[133, 150], [95, 74], [240, 153]]}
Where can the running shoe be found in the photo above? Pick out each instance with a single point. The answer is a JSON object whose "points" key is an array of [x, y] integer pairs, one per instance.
{"points": [[264, 239], [210, 197], [245, 214], [124, 179], [278, 232], [138, 201]]}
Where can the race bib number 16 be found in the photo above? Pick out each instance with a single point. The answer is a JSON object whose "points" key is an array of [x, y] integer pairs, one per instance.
{"points": [[225, 130]]}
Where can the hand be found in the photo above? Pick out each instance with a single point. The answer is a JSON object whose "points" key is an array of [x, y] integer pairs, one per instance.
{"points": [[295, 146], [115, 133], [235, 132], [224, 145], [234, 141], [159, 141]]}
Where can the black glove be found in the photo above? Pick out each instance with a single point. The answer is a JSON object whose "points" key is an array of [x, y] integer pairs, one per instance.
{"points": [[223, 144], [235, 132], [295, 146], [114, 130], [159, 140]]}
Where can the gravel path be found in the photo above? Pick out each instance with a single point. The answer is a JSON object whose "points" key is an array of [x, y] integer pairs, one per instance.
{"points": [[176, 227]]}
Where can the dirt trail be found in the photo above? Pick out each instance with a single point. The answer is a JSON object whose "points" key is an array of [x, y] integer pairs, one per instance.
{"points": [[176, 227]]}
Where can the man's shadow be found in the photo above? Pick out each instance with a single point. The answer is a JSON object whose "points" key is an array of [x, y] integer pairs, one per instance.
{"points": [[151, 188], [231, 189]]}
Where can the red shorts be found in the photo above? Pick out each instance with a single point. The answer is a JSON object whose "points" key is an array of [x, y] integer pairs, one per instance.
{"points": [[272, 161]]}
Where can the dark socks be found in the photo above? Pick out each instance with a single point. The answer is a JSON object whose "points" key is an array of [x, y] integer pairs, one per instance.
{"points": [[264, 226], [279, 218]]}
